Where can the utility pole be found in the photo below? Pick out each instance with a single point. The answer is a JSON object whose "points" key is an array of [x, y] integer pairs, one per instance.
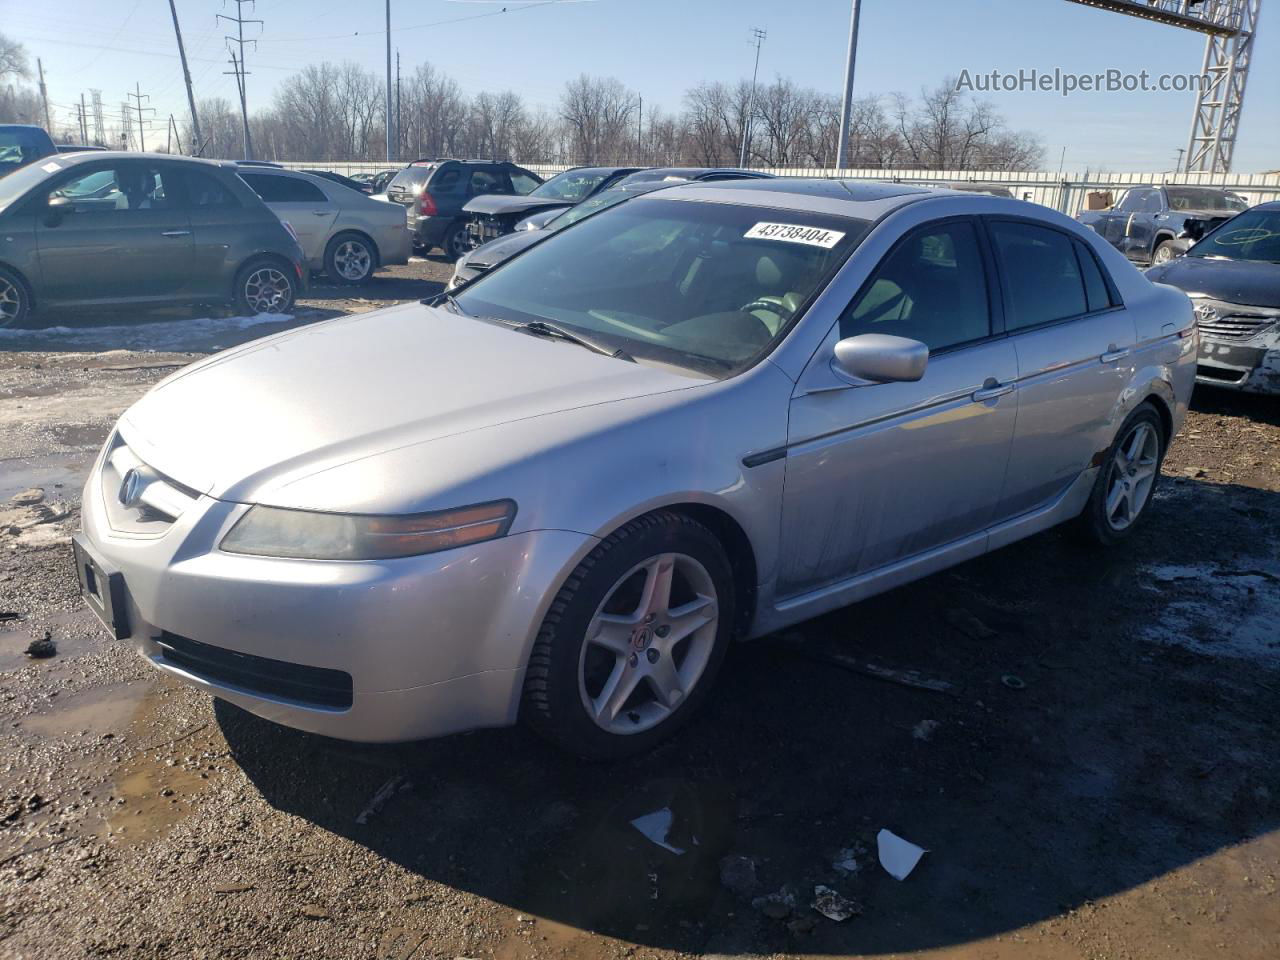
{"points": [[237, 64], [126, 134], [186, 75], [757, 37], [846, 106], [84, 126], [99, 122], [44, 95], [388, 124], [140, 96], [1178, 166], [399, 128]]}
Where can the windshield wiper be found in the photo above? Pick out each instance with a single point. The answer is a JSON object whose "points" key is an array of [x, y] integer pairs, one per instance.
{"points": [[543, 328]]}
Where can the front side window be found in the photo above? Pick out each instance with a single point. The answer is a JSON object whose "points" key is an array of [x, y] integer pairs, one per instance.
{"points": [[1041, 273], [125, 188], [523, 182], [707, 286], [1198, 198], [1133, 201], [1251, 236], [932, 287]]}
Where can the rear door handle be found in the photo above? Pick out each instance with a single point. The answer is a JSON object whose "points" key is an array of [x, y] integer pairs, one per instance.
{"points": [[176, 233], [1112, 355], [320, 213], [991, 389]]}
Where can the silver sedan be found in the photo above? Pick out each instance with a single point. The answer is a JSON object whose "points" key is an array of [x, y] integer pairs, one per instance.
{"points": [[697, 417]]}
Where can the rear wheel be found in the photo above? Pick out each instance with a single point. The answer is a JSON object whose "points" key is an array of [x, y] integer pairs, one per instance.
{"points": [[455, 242], [1127, 480], [349, 258], [633, 640], [265, 286], [15, 301]]}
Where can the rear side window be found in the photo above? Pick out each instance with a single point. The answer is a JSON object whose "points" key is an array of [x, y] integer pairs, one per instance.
{"points": [[932, 287], [274, 189], [487, 181], [1041, 274], [206, 193], [446, 180], [1095, 287]]}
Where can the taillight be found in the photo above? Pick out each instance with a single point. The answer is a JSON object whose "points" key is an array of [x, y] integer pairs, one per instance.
{"points": [[427, 205]]}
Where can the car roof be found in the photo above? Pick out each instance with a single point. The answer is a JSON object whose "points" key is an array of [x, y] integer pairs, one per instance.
{"points": [[846, 198], [97, 156]]}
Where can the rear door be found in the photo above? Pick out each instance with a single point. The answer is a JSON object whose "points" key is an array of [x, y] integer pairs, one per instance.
{"points": [[1073, 340], [301, 203], [218, 220], [125, 237]]}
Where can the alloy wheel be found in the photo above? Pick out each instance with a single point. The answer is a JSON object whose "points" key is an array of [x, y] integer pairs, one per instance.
{"points": [[648, 644], [10, 301], [267, 290], [1164, 254], [1132, 475], [353, 260]]}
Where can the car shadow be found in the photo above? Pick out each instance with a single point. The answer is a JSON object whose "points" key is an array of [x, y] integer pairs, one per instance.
{"points": [[388, 286], [1038, 718], [1231, 403]]}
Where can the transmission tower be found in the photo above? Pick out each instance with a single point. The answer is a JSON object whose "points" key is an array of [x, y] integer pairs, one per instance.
{"points": [[1231, 27], [237, 64], [139, 96], [99, 127]]}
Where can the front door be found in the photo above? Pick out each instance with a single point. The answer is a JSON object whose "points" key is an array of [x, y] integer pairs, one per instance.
{"points": [[880, 473], [115, 231], [1073, 340]]}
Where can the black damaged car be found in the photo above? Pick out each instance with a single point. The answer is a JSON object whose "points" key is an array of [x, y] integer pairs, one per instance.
{"points": [[493, 216], [1233, 279]]}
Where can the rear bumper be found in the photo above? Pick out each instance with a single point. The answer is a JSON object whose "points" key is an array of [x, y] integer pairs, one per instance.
{"points": [[1251, 366], [429, 231]]}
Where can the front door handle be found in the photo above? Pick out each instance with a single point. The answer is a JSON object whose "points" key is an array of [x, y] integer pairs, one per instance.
{"points": [[320, 213], [1113, 354], [992, 389], [176, 233]]}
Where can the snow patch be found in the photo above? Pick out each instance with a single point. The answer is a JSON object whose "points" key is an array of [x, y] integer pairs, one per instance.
{"points": [[1222, 611], [163, 335]]}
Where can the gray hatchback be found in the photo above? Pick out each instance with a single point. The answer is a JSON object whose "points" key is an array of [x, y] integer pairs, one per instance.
{"points": [[102, 228]]}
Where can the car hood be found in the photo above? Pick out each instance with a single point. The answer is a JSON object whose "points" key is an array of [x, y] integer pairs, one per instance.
{"points": [[498, 204], [244, 424], [495, 251], [1250, 282]]}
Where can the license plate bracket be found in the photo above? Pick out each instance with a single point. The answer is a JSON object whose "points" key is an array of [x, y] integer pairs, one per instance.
{"points": [[102, 587]]}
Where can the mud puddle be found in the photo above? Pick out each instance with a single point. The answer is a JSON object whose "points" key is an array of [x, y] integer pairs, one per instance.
{"points": [[75, 632], [56, 473], [96, 712]]}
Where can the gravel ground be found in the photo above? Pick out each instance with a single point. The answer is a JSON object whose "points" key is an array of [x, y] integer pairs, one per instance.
{"points": [[1094, 774]]}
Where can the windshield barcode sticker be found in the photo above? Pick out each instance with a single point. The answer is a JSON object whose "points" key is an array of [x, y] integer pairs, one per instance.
{"points": [[795, 233]]}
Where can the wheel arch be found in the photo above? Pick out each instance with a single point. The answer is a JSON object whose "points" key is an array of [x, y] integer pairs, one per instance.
{"points": [[22, 279], [1161, 406], [263, 255], [1160, 237]]}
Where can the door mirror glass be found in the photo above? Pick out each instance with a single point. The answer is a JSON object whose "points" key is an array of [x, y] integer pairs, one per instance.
{"points": [[880, 358]]}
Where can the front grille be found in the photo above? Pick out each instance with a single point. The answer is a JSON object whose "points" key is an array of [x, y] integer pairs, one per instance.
{"points": [[1229, 321], [149, 502], [312, 686]]}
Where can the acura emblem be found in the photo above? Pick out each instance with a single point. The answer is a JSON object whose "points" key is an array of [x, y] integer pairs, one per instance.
{"points": [[131, 486]]}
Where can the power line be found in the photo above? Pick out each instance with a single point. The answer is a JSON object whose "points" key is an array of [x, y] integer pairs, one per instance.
{"points": [[237, 64]]}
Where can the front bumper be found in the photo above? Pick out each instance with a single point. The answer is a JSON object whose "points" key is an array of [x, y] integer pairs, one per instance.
{"points": [[1250, 366], [430, 645]]}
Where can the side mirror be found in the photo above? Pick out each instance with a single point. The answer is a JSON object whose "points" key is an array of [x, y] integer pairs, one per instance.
{"points": [[880, 358], [56, 209]]}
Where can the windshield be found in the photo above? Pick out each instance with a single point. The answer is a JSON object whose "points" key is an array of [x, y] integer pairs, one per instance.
{"points": [[1251, 236], [20, 181], [707, 286], [601, 201], [571, 185], [1191, 198]]}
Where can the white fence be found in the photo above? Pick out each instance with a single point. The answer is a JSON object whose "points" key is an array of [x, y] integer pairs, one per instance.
{"points": [[1063, 191]]}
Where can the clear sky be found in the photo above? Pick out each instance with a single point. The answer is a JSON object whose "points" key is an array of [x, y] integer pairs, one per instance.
{"points": [[661, 47]]}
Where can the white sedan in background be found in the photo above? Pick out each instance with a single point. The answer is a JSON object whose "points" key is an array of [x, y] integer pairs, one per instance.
{"points": [[344, 233]]}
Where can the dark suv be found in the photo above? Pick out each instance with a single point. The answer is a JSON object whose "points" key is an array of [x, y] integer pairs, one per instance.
{"points": [[21, 144], [435, 191], [105, 228]]}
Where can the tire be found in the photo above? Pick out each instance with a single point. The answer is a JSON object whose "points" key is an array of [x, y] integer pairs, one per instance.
{"points": [[15, 298], [1163, 252], [350, 258], [609, 596], [265, 286], [1119, 502], [455, 242]]}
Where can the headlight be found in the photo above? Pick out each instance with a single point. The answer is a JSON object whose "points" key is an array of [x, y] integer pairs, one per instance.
{"points": [[277, 532]]}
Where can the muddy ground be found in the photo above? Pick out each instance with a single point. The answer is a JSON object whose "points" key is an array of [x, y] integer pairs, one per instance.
{"points": [[1097, 777]]}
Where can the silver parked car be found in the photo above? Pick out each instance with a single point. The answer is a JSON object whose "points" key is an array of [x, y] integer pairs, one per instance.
{"points": [[343, 232], [701, 415]]}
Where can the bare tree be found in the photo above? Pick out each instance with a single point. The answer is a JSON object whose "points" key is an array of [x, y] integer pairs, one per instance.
{"points": [[598, 112], [948, 130]]}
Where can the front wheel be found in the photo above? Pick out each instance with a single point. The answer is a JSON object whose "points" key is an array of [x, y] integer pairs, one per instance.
{"points": [[1164, 252], [633, 640], [265, 286], [1127, 480]]}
